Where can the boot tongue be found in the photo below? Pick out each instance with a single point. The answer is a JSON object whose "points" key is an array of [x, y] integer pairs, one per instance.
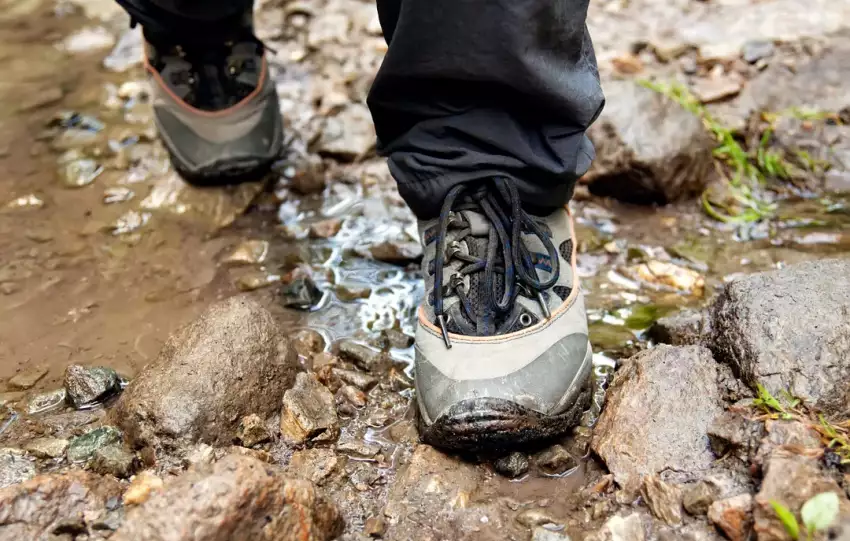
{"points": [[478, 224]]}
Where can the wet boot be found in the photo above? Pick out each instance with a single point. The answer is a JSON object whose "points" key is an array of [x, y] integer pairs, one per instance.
{"points": [[502, 350], [215, 105]]}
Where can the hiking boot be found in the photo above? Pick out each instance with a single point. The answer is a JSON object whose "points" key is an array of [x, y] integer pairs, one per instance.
{"points": [[215, 105], [502, 350]]}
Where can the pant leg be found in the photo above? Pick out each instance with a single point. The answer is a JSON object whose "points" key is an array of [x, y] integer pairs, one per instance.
{"points": [[470, 89], [200, 19]]}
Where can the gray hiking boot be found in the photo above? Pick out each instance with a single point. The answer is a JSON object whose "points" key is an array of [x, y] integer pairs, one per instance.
{"points": [[502, 350], [215, 106]]}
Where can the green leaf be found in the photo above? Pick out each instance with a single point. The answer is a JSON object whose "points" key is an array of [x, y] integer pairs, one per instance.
{"points": [[820, 512], [787, 518]]}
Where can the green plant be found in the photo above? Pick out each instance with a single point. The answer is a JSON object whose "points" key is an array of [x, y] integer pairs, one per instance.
{"points": [[836, 438], [770, 404], [818, 514]]}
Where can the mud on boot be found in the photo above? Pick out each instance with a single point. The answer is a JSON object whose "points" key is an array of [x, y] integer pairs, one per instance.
{"points": [[502, 351]]}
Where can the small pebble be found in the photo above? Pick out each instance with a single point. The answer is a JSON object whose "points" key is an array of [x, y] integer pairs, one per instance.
{"points": [[512, 465]]}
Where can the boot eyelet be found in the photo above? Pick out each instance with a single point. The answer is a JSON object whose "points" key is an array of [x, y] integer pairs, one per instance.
{"points": [[525, 319]]}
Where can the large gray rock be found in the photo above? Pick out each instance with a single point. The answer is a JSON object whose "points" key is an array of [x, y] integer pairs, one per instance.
{"points": [[789, 330], [31, 510], [231, 362], [85, 385], [238, 497], [658, 409], [648, 148], [15, 467]]}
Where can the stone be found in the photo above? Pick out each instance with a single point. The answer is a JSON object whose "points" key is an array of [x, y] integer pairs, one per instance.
{"points": [[46, 401], [732, 431], [34, 508], [658, 409], [307, 342], [113, 460], [236, 497], [789, 330], [363, 356], [258, 454], [697, 498], [141, 488], [757, 50], [796, 436], [351, 294], [231, 362], [253, 431], [396, 252], [316, 465], [555, 461], [353, 395], [82, 448], [714, 89], [308, 412], [375, 527], [734, 516], [512, 465], [542, 534], [85, 386], [398, 339], [46, 447], [358, 448], [249, 252], [325, 229], [362, 381], [648, 148], [619, 528], [14, 467], [663, 499], [11, 397], [790, 480], [535, 517], [684, 328], [348, 135], [300, 292], [28, 377]]}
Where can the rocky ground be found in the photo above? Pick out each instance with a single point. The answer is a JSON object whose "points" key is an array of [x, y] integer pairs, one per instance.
{"points": [[235, 363]]}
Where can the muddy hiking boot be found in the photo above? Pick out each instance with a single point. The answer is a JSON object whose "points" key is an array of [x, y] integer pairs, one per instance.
{"points": [[502, 350], [215, 106]]}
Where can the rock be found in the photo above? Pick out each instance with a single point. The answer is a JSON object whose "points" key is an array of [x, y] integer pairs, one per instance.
{"points": [[307, 342], [756, 50], [141, 488], [535, 517], [397, 253], [398, 339], [620, 528], [789, 330], [46, 401], [714, 89], [664, 500], [231, 362], [664, 275], [795, 436], [308, 412], [353, 395], [734, 516], [358, 448], [46, 447], [300, 292], [249, 252], [85, 386], [316, 465], [258, 454], [542, 534], [731, 431], [351, 294], [644, 428], [28, 377], [362, 381], [697, 531], [34, 508], [113, 460], [252, 431], [256, 279], [648, 148], [555, 460], [512, 465], [684, 328], [349, 135], [325, 229], [375, 527], [236, 497], [11, 397], [14, 467], [363, 356], [790, 480], [82, 448], [697, 498]]}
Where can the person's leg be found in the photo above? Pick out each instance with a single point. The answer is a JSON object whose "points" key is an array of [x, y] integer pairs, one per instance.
{"points": [[215, 106], [481, 108], [476, 88]]}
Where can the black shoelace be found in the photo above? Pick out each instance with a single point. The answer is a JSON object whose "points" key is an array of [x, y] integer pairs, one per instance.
{"points": [[506, 256]]}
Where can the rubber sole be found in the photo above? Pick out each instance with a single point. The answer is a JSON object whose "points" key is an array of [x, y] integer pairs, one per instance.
{"points": [[493, 424], [222, 173]]}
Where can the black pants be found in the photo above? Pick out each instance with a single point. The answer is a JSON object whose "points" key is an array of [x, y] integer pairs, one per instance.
{"points": [[470, 89]]}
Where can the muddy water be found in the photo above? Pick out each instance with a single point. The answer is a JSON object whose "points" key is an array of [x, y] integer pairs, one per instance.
{"points": [[104, 251]]}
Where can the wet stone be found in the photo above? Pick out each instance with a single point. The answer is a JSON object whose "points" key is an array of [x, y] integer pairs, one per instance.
{"points": [[254, 280], [512, 465], [375, 527], [28, 377], [250, 252], [398, 253], [363, 356], [307, 342], [15, 467], [11, 397], [398, 339], [398, 380], [324, 360], [46, 447], [253, 431], [308, 412], [300, 293], [697, 498], [325, 229], [733, 516], [80, 172], [259, 454], [681, 329], [359, 448], [663, 499], [715, 89], [316, 465], [83, 448], [619, 528], [362, 381], [113, 460], [350, 294], [85, 386], [353, 395], [555, 461], [349, 134], [542, 534], [535, 517], [794, 434], [757, 50], [732, 431], [143, 485]]}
